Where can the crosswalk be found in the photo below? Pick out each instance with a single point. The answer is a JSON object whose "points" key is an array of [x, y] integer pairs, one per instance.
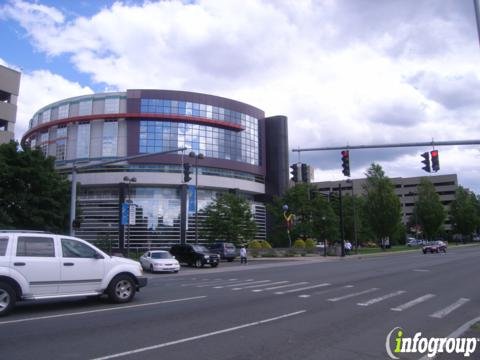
{"points": [[361, 297]]}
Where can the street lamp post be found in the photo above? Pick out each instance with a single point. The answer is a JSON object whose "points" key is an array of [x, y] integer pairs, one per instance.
{"points": [[355, 239], [129, 180], [196, 157]]}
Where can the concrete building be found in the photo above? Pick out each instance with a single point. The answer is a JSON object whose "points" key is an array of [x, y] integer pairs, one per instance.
{"points": [[405, 188], [243, 152], [9, 88]]}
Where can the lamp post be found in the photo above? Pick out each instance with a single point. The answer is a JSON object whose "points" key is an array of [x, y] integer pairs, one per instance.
{"points": [[196, 157], [129, 180], [355, 239]]}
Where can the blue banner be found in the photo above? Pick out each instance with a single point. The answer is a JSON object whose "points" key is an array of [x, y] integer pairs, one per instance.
{"points": [[125, 213], [192, 193]]}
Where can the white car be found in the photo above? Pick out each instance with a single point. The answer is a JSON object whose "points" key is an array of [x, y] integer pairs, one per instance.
{"points": [[159, 260], [39, 265]]}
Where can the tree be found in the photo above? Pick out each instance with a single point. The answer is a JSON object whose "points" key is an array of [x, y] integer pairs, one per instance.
{"points": [[314, 216], [229, 218], [382, 206], [32, 194], [464, 213], [429, 210]]}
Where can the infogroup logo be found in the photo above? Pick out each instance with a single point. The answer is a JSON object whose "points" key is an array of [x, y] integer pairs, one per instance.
{"points": [[397, 343]]}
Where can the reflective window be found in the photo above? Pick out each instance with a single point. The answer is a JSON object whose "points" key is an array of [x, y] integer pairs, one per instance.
{"points": [[35, 246], [63, 111], [46, 116], [109, 142], [61, 132], [61, 150], [83, 141], [3, 246], [85, 107], [112, 105], [76, 249]]}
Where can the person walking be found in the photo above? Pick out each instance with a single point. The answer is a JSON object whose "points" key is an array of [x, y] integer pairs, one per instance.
{"points": [[243, 255]]}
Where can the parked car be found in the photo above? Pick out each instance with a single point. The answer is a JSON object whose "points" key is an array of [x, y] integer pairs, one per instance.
{"points": [[39, 265], [415, 242], [194, 255], [159, 260], [435, 247], [226, 250]]}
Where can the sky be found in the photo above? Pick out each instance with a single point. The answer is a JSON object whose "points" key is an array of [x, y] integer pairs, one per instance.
{"points": [[344, 72]]}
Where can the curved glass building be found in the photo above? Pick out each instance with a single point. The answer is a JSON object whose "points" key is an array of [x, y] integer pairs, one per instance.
{"points": [[230, 146]]}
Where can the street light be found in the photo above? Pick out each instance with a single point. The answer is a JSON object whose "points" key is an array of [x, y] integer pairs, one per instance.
{"points": [[355, 239], [196, 157], [129, 180]]}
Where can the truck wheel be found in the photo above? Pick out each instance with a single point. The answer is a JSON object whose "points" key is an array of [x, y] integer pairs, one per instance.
{"points": [[198, 263], [7, 298], [121, 289]]}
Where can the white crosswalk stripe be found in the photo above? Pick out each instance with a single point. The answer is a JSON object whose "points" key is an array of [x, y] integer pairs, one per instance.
{"points": [[348, 296], [281, 286], [413, 302], [240, 284], [381, 298], [302, 288], [217, 282], [444, 312], [260, 285]]}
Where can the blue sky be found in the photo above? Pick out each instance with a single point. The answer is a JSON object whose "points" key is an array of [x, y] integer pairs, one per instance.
{"points": [[344, 72]]}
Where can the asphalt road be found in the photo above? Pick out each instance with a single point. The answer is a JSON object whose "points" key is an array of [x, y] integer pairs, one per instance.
{"points": [[312, 309]]}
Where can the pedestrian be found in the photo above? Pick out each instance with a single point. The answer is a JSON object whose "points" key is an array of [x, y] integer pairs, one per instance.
{"points": [[243, 255], [348, 247]]}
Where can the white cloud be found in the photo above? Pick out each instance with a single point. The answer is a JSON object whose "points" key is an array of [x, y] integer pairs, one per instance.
{"points": [[344, 72]]}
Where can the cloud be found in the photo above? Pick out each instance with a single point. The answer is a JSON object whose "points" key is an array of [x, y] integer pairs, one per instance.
{"points": [[344, 72]]}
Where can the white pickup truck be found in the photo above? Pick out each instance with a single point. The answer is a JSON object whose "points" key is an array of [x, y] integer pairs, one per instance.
{"points": [[40, 265]]}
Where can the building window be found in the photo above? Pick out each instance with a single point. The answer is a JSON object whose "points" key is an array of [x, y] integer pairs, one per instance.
{"points": [[109, 141], [85, 107], [63, 111], [112, 105], [61, 150], [83, 141], [46, 116]]}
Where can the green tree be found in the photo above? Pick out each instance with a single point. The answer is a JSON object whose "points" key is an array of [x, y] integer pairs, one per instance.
{"points": [[429, 210], [229, 218], [464, 212], [32, 194], [382, 206]]}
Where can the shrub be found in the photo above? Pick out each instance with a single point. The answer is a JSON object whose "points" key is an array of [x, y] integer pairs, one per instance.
{"points": [[310, 244], [254, 244], [265, 244], [299, 244]]}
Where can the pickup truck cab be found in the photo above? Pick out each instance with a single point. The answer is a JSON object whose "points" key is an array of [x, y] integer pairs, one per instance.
{"points": [[40, 265]]}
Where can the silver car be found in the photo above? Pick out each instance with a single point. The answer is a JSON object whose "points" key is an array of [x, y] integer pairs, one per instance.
{"points": [[159, 260]]}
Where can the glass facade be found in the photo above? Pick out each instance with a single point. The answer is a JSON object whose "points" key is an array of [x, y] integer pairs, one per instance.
{"points": [[109, 140], [63, 111], [83, 141], [85, 107], [112, 105]]}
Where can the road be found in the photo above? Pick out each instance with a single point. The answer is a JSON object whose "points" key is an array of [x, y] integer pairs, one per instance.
{"points": [[312, 309]]}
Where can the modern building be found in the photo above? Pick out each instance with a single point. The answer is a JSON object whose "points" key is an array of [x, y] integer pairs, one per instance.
{"points": [[9, 88], [230, 146], [405, 188]]}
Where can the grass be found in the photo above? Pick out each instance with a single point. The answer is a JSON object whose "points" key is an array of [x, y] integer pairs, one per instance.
{"points": [[380, 250]]}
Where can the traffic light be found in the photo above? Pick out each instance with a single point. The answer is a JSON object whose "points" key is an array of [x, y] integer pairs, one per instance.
{"points": [[346, 162], [186, 172], [305, 173], [294, 172], [435, 160], [426, 161]]}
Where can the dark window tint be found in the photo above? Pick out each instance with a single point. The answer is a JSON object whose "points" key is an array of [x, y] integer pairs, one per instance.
{"points": [[3, 246], [76, 249], [35, 246]]}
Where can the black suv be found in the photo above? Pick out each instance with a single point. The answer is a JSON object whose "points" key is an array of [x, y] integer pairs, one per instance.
{"points": [[194, 255], [226, 250]]}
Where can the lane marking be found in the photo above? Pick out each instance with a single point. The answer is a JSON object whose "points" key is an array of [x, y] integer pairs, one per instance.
{"points": [[204, 281], [421, 270], [175, 342], [281, 286], [301, 289], [444, 312], [304, 296], [260, 285], [240, 284], [381, 298], [413, 302], [217, 283], [348, 296], [100, 310]]}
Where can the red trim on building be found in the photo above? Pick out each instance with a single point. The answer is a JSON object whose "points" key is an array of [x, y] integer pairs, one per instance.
{"points": [[177, 118]]}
